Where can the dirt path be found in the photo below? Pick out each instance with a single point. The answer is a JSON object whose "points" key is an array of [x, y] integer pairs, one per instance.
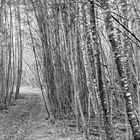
{"points": [[19, 120], [25, 120]]}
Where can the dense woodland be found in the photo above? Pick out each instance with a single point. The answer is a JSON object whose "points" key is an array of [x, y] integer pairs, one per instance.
{"points": [[83, 55]]}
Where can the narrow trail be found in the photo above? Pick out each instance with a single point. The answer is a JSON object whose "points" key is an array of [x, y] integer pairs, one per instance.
{"points": [[19, 120], [25, 120]]}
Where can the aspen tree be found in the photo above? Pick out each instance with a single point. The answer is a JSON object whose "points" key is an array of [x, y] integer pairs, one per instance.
{"points": [[20, 52], [121, 60]]}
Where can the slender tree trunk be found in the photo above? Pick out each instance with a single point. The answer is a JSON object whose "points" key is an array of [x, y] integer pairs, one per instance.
{"points": [[102, 94], [20, 54], [12, 55], [121, 60], [1, 59]]}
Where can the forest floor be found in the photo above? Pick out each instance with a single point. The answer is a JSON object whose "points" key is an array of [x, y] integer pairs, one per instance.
{"points": [[25, 120]]}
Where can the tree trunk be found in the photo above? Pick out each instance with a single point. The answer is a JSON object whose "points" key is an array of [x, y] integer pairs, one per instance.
{"points": [[121, 60], [102, 94], [20, 54]]}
